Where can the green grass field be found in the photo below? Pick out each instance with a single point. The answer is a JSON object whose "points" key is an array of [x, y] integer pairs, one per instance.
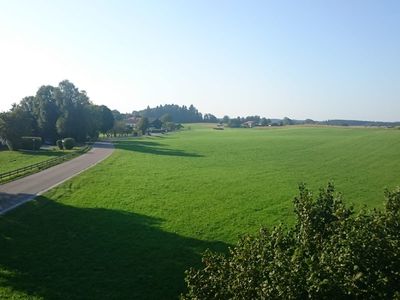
{"points": [[11, 160], [129, 227]]}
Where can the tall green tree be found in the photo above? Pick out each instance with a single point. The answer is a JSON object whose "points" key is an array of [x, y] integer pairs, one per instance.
{"points": [[235, 123], [265, 122], [73, 121], [14, 125], [225, 119], [143, 124], [46, 113], [107, 119], [100, 119], [57, 112]]}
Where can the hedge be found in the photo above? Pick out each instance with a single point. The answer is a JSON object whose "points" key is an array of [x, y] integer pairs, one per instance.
{"points": [[69, 143], [30, 143]]}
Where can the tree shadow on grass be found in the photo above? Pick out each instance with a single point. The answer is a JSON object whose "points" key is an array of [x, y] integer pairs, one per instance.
{"points": [[151, 147], [43, 152], [56, 251]]}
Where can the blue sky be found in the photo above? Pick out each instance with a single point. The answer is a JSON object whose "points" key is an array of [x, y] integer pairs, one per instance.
{"points": [[301, 59]]}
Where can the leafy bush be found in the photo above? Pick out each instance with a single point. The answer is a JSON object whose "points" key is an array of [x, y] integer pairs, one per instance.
{"points": [[59, 144], [69, 143], [329, 253], [30, 143]]}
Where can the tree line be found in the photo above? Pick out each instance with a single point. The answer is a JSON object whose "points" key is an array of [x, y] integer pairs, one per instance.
{"points": [[66, 111], [55, 113], [179, 114]]}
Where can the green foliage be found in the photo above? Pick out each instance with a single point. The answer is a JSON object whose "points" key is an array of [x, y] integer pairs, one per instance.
{"points": [[180, 114], [120, 128], [13, 125], [235, 123], [74, 108], [46, 112], [59, 144], [100, 119], [225, 119], [143, 124], [265, 122], [56, 112], [31, 143], [69, 143], [107, 119], [157, 123], [327, 255]]}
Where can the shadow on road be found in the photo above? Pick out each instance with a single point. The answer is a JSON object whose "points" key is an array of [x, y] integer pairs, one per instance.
{"points": [[8, 201], [56, 251], [151, 147]]}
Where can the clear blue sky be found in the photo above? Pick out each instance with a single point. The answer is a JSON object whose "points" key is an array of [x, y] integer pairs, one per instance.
{"points": [[301, 59]]}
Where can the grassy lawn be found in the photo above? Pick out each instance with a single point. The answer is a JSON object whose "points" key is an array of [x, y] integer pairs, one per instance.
{"points": [[11, 160], [129, 227]]}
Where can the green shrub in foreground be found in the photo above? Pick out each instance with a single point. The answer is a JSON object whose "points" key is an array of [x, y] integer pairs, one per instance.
{"points": [[329, 253], [69, 143], [31, 142]]}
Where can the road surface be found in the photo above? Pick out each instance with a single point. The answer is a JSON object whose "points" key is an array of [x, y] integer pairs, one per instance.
{"points": [[17, 192]]}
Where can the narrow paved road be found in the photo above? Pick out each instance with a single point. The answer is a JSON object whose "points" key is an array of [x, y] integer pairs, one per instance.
{"points": [[17, 192]]}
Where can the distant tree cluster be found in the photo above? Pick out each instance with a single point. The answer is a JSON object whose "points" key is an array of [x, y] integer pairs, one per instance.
{"points": [[244, 121], [358, 123], [328, 254], [54, 113], [179, 114], [184, 114]]}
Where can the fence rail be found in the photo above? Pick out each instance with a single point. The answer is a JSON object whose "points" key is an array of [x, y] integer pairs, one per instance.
{"points": [[10, 175]]}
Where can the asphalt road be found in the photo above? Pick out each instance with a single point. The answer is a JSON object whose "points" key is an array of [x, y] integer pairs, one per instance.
{"points": [[17, 192]]}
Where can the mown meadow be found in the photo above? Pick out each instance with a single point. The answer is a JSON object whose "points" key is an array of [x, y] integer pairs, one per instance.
{"points": [[129, 227], [12, 160]]}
